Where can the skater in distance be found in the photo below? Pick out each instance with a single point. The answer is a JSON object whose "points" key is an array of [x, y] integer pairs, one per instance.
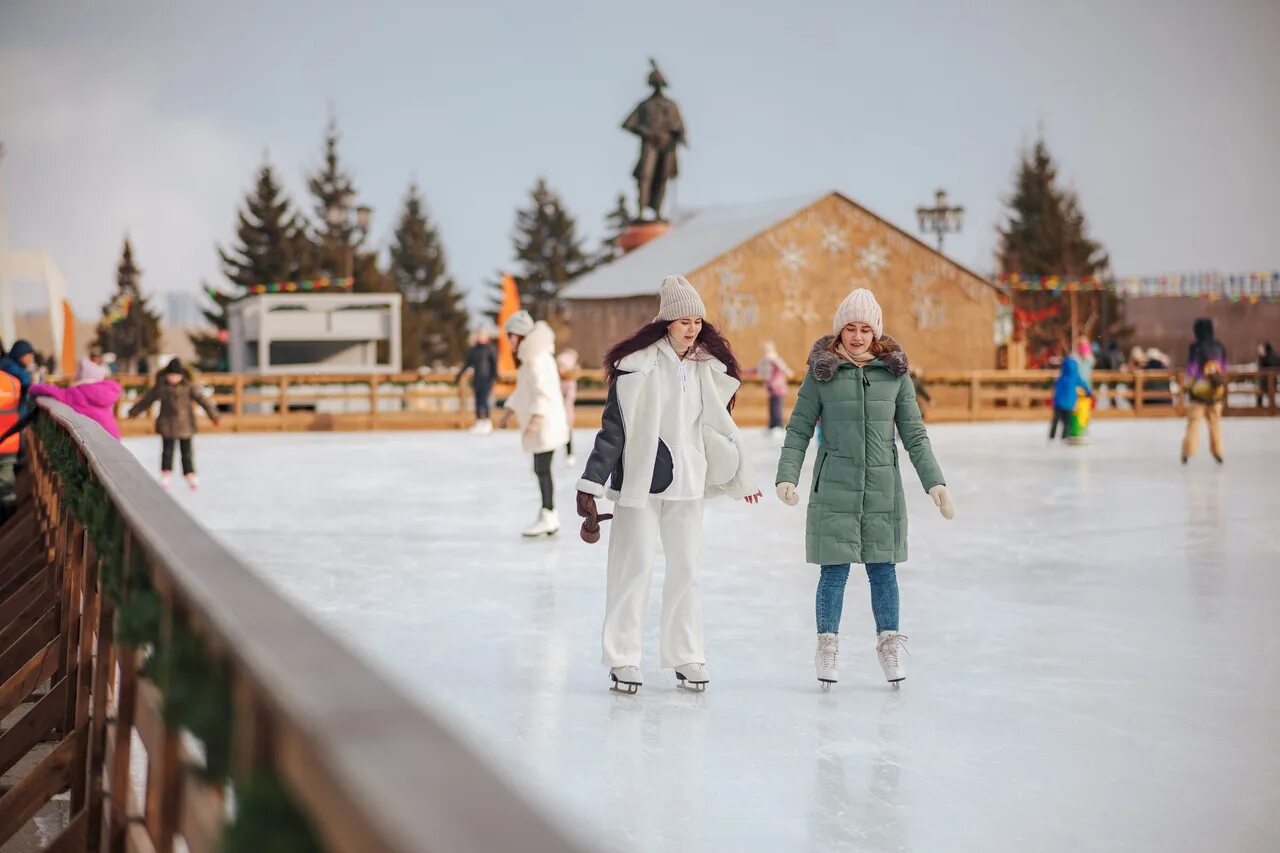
{"points": [[859, 386], [539, 407], [667, 443]]}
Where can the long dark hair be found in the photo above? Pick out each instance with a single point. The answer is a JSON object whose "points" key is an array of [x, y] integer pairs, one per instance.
{"points": [[709, 341]]}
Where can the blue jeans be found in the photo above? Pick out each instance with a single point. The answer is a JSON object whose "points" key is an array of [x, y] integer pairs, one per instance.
{"points": [[884, 596]]}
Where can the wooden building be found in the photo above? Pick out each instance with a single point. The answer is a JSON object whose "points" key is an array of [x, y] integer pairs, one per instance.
{"points": [[778, 270]]}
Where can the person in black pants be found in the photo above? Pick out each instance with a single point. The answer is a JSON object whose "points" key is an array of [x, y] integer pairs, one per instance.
{"points": [[482, 361]]}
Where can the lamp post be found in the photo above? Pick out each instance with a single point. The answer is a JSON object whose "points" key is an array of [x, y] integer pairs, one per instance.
{"points": [[351, 222], [941, 218]]}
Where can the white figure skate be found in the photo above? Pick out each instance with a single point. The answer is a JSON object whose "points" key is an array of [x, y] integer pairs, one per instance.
{"points": [[889, 648], [546, 524], [692, 676], [626, 679], [484, 426], [826, 660]]}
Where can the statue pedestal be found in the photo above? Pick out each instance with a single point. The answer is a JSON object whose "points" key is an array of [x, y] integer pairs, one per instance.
{"points": [[639, 233]]}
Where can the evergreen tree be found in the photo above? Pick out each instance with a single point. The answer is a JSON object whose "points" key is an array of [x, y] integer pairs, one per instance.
{"points": [[337, 245], [434, 319], [128, 328], [548, 251], [1047, 234], [272, 246], [615, 222]]}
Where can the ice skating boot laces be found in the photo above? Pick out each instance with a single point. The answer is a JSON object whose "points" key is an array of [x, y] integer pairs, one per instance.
{"points": [[889, 646], [828, 651]]}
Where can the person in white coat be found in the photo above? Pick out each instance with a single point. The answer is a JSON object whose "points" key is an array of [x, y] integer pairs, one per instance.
{"points": [[539, 406], [668, 428]]}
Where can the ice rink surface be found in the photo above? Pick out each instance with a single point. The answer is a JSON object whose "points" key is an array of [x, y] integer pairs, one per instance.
{"points": [[1095, 650]]}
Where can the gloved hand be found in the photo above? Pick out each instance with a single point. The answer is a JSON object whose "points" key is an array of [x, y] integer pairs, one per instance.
{"points": [[942, 500], [787, 494], [591, 518]]}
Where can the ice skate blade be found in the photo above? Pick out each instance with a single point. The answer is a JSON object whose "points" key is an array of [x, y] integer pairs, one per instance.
{"points": [[694, 686], [825, 685], [625, 688]]}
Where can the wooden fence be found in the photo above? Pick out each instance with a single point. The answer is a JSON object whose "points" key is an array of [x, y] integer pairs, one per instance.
{"points": [[128, 634], [434, 401]]}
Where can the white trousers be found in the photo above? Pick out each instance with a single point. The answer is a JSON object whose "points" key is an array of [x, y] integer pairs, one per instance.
{"points": [[633, 541]]}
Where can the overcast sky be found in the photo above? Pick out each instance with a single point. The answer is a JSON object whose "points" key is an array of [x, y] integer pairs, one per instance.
{"points": [[150, 118]]}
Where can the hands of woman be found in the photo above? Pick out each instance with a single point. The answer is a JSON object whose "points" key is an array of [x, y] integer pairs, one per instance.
{"points": [[532, 428], [754, 499], [942, 500], [591, 518], [787, 494]]}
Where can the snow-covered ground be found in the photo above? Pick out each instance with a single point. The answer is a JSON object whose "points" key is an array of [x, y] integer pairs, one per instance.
{"points": [[1095, 644]]}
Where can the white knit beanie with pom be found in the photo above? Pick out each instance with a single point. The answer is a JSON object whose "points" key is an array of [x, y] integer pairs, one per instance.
{"points": [[678, 300], [859, 307]]}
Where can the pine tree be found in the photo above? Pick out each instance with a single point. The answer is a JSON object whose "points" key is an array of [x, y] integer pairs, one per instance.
{"points": [[615, 222], [435, 320], [548, 251], [1047, 234], [337, 244], [128, 328], [272, 246]]}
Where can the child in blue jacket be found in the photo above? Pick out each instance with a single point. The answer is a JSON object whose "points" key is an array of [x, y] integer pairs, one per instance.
{"points": [[1065, 396]]}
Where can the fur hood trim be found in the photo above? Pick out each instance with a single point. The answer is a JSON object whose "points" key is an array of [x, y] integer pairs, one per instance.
{"points": [[824, 364]]}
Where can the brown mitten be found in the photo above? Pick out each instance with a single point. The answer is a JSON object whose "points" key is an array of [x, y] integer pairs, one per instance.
{"points": [[591, 518]]}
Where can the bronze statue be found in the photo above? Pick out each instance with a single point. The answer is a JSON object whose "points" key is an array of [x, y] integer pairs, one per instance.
{"points": [[656, 120]]}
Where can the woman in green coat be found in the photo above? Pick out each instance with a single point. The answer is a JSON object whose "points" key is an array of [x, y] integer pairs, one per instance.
{"points": [[860, 388]]}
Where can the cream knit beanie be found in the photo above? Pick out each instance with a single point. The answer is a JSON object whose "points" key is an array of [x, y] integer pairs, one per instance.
{"points": [[679, 300], [519, 323], [859, 307]]}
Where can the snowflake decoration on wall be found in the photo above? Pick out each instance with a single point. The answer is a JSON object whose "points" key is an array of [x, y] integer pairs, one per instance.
{"points": [[972, 288], [873, 257], [794, 304], [833, 240], [791, 257], [739, 309], [929, 310]]}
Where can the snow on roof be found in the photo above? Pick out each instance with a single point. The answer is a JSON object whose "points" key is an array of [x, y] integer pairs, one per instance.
{"points": [[696, 239]]}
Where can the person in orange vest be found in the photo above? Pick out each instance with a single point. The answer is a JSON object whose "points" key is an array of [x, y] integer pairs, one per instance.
{"points": [[15, 379]]}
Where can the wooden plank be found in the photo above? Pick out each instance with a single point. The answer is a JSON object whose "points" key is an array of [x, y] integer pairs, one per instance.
{"points": [[21, 650], [31, 729], [137, 840], [83, 686], [74, 838], [203, 815], [17, 533], [20, 600], [103, 677], [117, 768], [31, 675], [35, 789], [23, 567]]}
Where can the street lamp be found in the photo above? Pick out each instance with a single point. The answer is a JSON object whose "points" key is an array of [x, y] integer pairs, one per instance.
{"points": [[351, 230], [940, 219]]}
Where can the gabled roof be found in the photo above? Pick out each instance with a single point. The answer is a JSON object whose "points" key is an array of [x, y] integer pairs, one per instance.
{"points": [[696, 238], [700, 236]]}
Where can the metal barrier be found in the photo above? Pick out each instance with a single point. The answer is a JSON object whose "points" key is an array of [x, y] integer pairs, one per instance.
{"points": [[125, 626]]}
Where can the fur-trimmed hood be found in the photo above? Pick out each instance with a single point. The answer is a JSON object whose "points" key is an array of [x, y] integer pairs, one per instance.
{"points": [[541, 340], [823, 363]]}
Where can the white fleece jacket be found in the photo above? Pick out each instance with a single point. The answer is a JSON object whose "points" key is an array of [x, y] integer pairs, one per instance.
{"points": [[538, 393]]}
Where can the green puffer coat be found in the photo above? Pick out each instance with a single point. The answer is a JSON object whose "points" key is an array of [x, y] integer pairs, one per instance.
{"points": [[857, 510]]}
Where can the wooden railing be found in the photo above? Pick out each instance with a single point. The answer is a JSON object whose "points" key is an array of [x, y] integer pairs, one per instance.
{"points": [[435, 401], [124, 626]]}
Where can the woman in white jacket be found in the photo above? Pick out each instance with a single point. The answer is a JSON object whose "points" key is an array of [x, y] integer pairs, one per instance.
{"points": [[667, 425], [539, 406]]}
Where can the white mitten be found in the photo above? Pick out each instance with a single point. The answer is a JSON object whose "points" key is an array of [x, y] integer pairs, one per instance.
{"points": [[787, 494], [942, 500]]}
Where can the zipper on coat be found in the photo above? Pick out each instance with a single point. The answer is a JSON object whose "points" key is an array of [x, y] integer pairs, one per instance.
{"points": [[817, 475]]}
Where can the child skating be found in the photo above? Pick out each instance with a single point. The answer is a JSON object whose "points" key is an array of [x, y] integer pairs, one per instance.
{"points": [[859, 385], [176, 424], [668, 426]]}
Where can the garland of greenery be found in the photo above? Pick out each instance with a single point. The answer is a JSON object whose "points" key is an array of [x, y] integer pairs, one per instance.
{"points": [[195, 685]]}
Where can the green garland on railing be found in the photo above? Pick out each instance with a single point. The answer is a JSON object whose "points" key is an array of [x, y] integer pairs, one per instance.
{"points": [[267, 818], [195, 685]]}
